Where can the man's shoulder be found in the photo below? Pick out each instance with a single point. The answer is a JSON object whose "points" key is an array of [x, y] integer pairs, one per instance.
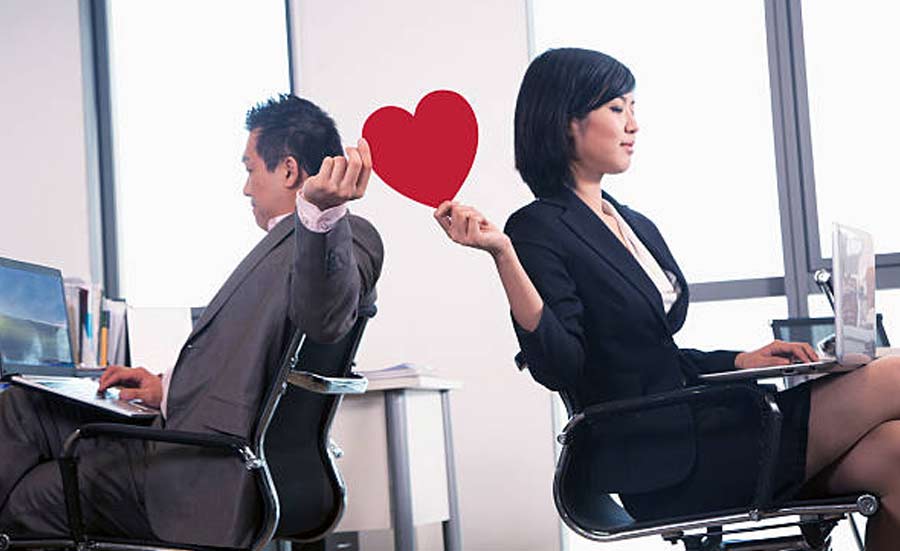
{"points": [[365, 234], [361, 225]]}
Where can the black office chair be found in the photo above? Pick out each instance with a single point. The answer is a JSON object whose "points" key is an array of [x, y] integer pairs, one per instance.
{"points": [[598, 517], [290, 454]]}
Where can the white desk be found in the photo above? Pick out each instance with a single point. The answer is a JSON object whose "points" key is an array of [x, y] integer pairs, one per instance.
{"points": [[398, 459]]}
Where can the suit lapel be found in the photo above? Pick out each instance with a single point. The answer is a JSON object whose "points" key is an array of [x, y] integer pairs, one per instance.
{"points": [[678, 312], [591, 229], [278, 234]]}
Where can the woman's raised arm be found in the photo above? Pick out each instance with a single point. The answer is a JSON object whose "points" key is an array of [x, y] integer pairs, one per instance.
{"points": [[466, 226]]}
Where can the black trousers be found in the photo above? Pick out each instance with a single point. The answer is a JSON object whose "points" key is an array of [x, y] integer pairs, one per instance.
{"points": [[33, 428]]}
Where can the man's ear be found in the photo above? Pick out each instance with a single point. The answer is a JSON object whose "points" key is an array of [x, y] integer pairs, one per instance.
{"points": [[294, 175]]}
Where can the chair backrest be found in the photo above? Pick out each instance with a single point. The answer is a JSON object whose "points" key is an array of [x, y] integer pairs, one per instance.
{"points": [[814, 330], [295, 443]]}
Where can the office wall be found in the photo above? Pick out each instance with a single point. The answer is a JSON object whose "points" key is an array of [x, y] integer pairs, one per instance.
{"points": [[439, 304], [45, 216]]}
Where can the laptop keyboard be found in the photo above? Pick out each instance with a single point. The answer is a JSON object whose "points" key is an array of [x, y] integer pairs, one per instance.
{"points": [[85, 390]]}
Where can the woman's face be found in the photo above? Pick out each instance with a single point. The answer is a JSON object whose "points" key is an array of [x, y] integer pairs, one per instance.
{"points": [[604, 139]]}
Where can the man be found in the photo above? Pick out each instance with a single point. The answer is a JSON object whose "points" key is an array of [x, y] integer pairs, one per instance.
{"points": [[313, 270]]}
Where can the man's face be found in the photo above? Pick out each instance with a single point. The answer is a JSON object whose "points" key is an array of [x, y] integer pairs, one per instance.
{"points": [[271, 193]]}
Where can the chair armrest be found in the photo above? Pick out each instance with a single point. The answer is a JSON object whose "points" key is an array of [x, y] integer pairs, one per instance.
{"points": [[763, 395], [225, 442], [69, 468], [355, 384], [655, 401]]}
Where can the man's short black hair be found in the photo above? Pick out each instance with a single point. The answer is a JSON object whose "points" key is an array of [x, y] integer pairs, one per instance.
{"points": [[560, 86], [289, 126]]}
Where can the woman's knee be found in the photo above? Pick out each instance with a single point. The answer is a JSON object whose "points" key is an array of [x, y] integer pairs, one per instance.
{"points": [[884, 375], [874, 462]]}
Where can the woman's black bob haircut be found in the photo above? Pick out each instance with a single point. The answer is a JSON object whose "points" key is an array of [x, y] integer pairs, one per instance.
{"points": [[560, 86]]}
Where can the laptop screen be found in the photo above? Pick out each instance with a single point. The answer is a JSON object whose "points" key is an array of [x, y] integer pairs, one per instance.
{"points": [[34, 327]]}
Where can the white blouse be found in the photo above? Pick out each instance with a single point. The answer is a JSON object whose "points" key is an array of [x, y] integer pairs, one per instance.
{"points": [[665, 281]]}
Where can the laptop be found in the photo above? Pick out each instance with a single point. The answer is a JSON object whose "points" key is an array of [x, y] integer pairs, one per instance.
{"points": [[853, 266], [35, 350]]}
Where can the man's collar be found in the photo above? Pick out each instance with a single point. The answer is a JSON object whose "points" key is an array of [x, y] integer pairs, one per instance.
{"points": [[274, 221]]}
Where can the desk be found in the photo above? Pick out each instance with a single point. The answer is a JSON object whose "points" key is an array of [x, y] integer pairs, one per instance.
{"points": [[398, 459]]}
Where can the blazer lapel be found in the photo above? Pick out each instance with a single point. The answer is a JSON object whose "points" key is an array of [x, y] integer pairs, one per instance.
{"points": [[665, 260], [278, 234], [591, 229]]}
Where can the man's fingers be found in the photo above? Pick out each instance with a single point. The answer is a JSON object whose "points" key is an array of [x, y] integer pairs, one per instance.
{"points": [[365, 153], [108, 372], [337, 173], [350, 182], [326, 169], [117, 378], [132, 394]]}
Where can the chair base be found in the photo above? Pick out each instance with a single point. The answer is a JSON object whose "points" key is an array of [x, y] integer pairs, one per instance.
{"points": [[814, 536]]}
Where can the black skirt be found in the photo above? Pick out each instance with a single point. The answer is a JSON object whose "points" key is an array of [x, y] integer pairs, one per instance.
{"points": [[726, 468]]}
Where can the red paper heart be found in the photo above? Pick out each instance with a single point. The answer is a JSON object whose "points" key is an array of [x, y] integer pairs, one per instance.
{"points": [[425, 156]]}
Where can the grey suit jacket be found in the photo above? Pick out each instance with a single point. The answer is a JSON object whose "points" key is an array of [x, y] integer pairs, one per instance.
{"points": [[293, 278]]}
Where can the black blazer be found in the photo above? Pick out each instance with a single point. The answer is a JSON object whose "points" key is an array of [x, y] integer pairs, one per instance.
{"points": [[604, 335]]}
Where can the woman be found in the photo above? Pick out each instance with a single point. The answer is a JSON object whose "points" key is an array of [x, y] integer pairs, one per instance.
{"points": [[596, 297]]}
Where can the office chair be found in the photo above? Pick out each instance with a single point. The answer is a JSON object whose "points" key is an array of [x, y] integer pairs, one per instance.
{"points": [[290, 453], [598, 517]]}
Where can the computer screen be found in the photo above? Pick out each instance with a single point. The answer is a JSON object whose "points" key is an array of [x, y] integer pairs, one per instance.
{"points": [[34, 327]]}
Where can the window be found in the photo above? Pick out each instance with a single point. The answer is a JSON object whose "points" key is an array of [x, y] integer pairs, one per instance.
{"points": [[854, 112], [702, 103], [183, 75]]}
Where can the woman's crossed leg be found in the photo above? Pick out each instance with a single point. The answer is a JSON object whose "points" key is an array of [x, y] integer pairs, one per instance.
{"points": [[854, 442]]}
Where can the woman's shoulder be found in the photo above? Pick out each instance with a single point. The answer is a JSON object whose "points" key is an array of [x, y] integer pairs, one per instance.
{"points": [[532, 219]]}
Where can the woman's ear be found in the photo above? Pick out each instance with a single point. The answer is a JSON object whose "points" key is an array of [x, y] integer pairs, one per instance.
{"points": [[576, 127]]}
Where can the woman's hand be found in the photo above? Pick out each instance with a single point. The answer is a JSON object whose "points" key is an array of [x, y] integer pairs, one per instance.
{"points": [[776, 353], [467, 226]]}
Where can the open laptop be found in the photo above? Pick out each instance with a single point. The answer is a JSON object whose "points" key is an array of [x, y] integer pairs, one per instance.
{"points": [[853, 266], [35, 350]]}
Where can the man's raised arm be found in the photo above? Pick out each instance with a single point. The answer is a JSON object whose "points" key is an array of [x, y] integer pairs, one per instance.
{"points": [[338, 256]]}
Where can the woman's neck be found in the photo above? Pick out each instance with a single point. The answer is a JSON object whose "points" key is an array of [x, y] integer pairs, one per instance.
{"points": [[589, 192]]}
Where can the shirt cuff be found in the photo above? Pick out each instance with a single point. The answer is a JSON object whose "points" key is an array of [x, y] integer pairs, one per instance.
{"points": [[315, 220], [164, 402]]}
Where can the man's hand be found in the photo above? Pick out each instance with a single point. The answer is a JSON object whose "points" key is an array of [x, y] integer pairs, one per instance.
{"points": [[136, 383], [340, 179], [776, 353]]}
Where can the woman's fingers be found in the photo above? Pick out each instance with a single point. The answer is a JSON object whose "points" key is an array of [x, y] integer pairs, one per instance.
{"points": [[442, 215], [462, 223], [798, 351]]}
